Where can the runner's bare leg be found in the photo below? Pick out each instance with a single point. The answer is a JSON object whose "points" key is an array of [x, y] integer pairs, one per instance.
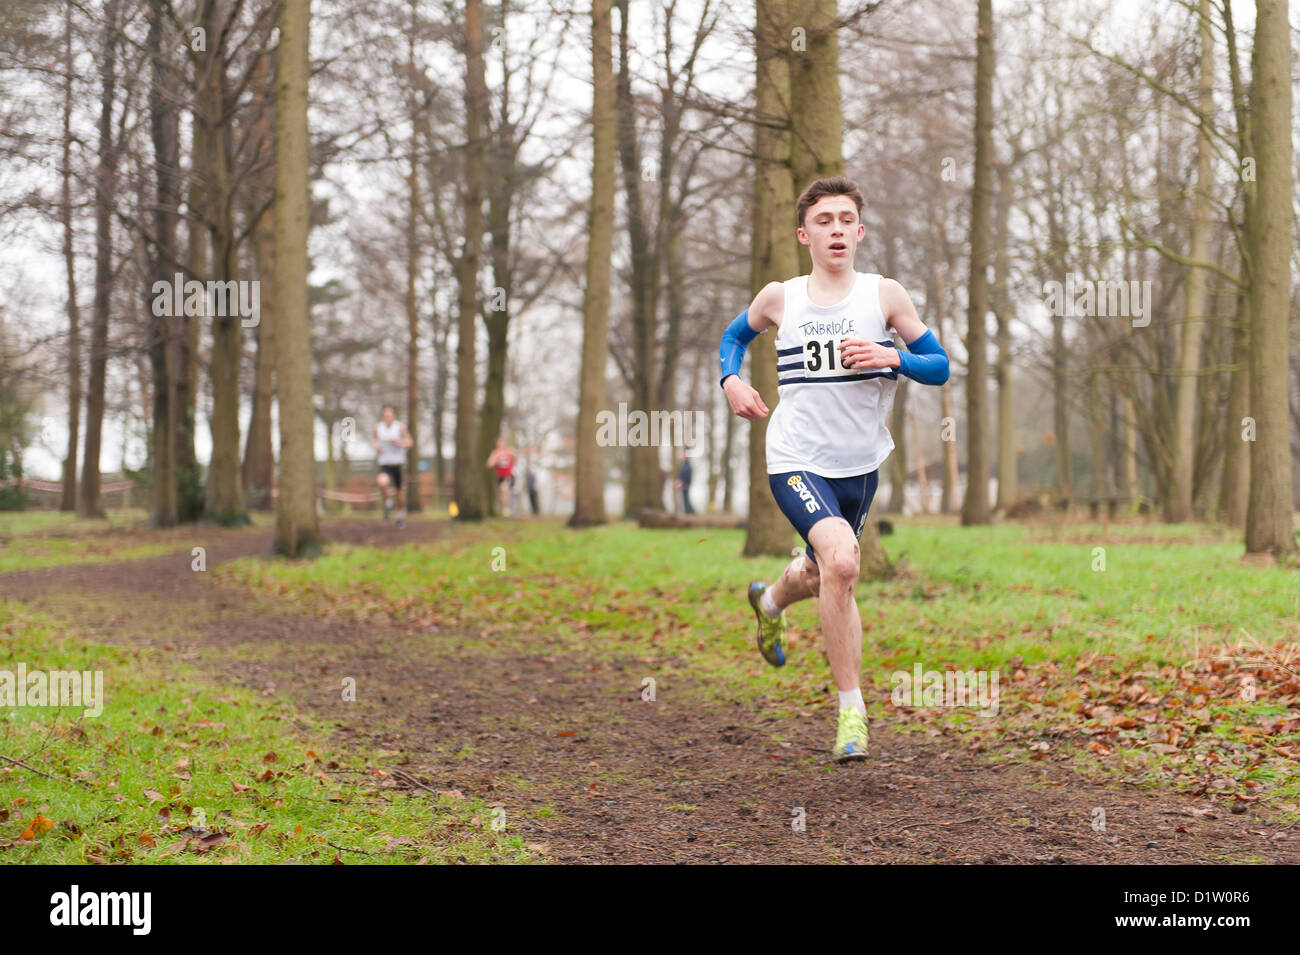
{"points": [[838, 560], [800, 580]]}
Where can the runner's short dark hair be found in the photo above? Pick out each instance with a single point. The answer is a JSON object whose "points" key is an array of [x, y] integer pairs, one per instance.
{"points": [[386, 407], [835, 186]]}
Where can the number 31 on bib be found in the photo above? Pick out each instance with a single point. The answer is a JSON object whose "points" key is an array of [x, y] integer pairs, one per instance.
{"points": [[822, 359]]}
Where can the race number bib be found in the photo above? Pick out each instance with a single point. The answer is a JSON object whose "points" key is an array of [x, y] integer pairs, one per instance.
{"points": [[821, 358]]}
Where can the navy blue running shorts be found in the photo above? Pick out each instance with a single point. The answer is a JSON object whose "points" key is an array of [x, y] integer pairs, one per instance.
{"points": [[806, 498]]}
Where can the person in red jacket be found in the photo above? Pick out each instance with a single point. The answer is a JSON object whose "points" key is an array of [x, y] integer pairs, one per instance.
{"points": [[502, 460]]}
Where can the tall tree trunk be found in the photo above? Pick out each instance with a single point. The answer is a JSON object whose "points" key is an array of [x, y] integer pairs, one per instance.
{"points": [[88, 498], [975, 508], [413, 503], [419, 123], [297, 530], [1061, 414], [1129, 470], [1209, 438], [1269, 522], [469, 464], [728, 471], [1235, 488], [774, 256], [189, 475], [224, 494], [922, 478], [329, 421], [715, 463], [1008, 460], [1102, 491], [672, 218], [441, 362], [674, 267], [164, 129], [1159, 433], [497, 315], [645, 477], [949, 474], [259, 454], [1178, 504], [589, 469], [1057, 244], [898, 460], [68, 497]]}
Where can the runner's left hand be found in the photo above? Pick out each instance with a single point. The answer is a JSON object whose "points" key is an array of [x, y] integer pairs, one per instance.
{"points": [[861, 353]]}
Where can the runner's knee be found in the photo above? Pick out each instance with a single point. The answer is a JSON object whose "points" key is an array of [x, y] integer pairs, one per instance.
{"points": [[837, 551], [840, 566]]}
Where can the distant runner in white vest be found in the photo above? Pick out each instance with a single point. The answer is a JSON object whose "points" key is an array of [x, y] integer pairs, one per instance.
{"points": [[837, 369], [391, 439]]}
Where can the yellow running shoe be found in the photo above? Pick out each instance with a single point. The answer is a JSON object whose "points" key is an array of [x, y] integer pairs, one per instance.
{"points": [[771, 630], [850, 736]]}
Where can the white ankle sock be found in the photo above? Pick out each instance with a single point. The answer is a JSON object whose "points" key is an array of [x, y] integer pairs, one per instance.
{"points": [[853, 698], [767, 604]]}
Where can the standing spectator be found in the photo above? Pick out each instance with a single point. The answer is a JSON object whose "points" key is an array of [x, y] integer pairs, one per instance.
{"points": [[684, 482], [530, 484]]}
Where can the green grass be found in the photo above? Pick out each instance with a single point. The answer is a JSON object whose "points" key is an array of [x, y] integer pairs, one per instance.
{"points": [[1073, 617], [175, 770], [970, 597], [29, 553], [32, 539], [13, 523]]}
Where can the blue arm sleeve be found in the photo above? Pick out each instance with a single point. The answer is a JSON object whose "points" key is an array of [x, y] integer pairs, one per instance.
{"points": [[734, 342], [927, 363]]}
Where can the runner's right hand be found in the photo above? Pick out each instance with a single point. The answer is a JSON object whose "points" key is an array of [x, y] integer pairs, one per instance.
{"points": [[744, 400]]}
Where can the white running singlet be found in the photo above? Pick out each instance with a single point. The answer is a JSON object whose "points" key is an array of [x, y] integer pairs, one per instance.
{"points": [[830, 420], [390, 451]]}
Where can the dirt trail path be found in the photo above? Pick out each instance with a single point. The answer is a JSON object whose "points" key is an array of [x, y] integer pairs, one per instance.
{"points": [[584, 767]]}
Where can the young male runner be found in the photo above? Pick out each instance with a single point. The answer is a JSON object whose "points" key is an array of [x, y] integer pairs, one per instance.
{"points": [[837, 369], [391, 439]]}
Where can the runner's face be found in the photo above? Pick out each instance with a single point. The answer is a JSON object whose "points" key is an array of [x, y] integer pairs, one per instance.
{"points": [[389, 415], [831, 231]]}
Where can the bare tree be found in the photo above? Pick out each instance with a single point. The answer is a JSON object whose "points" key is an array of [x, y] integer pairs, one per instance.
{"points": [[164, 127], [1178, 504], [297, 531], [1268, 516], [774, 257], [975, 508], [469, 484], [68, 497], [589, 487], [88, 499]]}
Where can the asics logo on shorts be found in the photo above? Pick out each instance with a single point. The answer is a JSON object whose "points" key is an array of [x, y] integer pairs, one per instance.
{"points": [[805, 495]]}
